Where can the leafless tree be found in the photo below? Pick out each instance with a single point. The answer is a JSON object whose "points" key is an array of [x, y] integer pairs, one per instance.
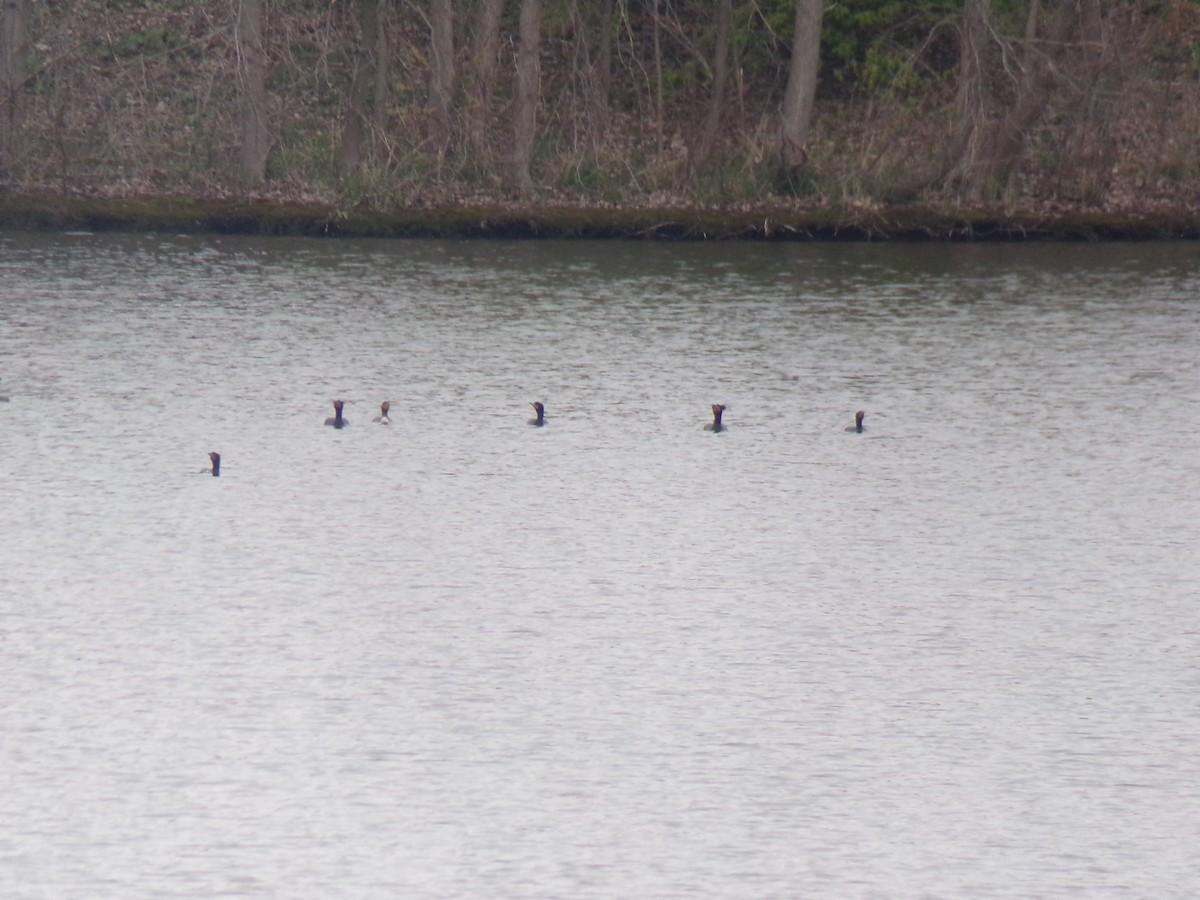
{"points": [[485, 44], [602, 69], [592, 59], [1005, 87], [13, 17], [526, 93], [255, 136], [659, 92], [720, 78], [441, 73], [800, 96], [382, 56], [356, 123]]}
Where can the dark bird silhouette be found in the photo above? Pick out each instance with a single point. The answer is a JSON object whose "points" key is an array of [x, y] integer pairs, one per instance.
{"points": [[216, 464], [858, 425], [540, 419], [336, 419], [715, 424], [382, 418]]}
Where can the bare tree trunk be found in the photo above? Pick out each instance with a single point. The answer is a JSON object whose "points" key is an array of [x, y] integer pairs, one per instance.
{"points": [[526, 96], [1089, 115], [989, 146], [12, 43], [971, 107], [382, 58], [12, 55], [595, 25], [484, 48], [658, 74], [604, 57], [800, 96], [255, 142], [441, 72], [355, 126], [1031, 27], [716, 101]]}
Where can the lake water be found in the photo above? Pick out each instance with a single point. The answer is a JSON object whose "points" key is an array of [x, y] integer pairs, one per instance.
{"points": [[957, 655]]}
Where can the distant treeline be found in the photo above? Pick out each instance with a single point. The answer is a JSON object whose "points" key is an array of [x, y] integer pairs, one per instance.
{"points": [[400, 103]]}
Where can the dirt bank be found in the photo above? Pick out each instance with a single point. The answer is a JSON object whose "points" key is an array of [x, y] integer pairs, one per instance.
{"points": [[775, 222]]}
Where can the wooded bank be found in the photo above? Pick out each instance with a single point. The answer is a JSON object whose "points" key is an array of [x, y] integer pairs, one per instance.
{"points": [[946, 119]]}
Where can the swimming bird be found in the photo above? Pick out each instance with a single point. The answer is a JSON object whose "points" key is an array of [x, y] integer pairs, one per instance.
{"points": [[858, 425], [540, 419], [716, 425], [3, 399], [216, 464], [382, 418], [336, 419]]}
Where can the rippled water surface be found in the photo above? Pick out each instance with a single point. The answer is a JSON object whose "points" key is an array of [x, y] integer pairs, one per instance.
{"points": [[460, 657]]}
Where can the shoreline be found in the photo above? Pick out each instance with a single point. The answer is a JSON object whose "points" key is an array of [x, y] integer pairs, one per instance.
{"points": [[768, 221]]}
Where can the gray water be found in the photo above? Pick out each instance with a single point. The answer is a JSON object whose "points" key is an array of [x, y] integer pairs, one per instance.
{"points": [[619, 656]]}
